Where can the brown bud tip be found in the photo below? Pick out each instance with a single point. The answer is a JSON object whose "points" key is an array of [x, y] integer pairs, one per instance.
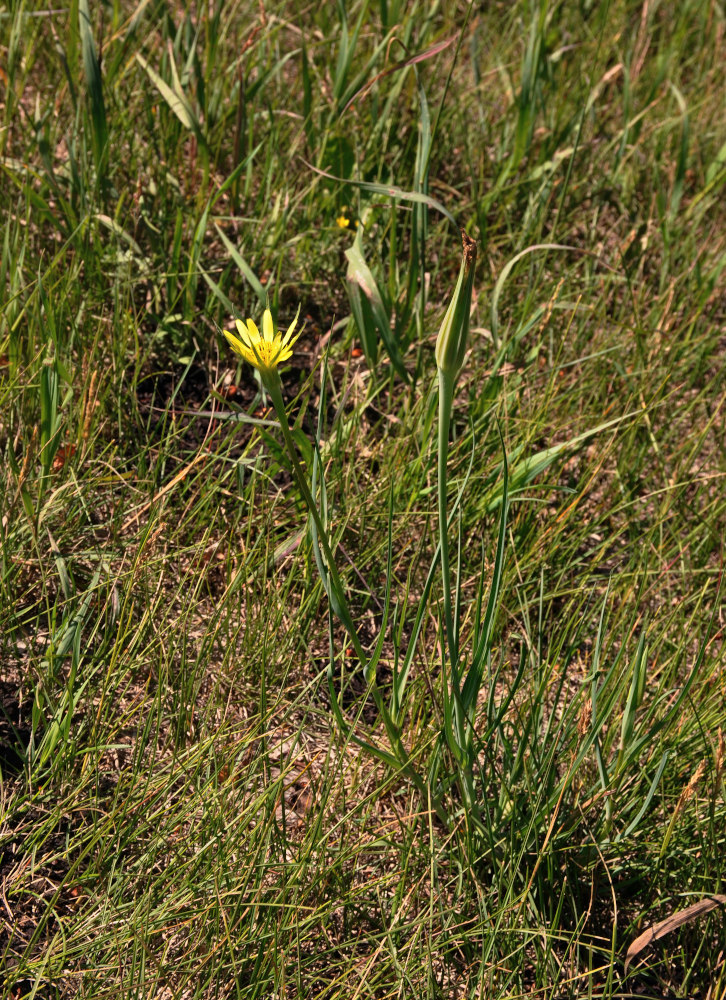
{"points": [[469, 247]]}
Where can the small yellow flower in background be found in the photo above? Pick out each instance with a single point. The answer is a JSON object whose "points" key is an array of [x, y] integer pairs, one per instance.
{"points": [[343, 221], [267, 350]]}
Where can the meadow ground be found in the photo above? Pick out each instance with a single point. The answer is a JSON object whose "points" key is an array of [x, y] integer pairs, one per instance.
{"points": [[201, 793]]}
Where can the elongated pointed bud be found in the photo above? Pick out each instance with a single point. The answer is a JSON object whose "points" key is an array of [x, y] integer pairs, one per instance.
{"points": [[454, 332]]}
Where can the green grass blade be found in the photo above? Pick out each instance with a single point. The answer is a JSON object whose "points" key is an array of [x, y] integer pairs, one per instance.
{"points": [[94, 83]]}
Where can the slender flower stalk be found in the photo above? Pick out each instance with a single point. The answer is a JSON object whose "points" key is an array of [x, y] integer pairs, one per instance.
{"points": [[274, 388], [450, 352], [266, 352], [446, 398]]}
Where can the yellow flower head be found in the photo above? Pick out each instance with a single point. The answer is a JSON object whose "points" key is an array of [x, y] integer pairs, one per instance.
{"points": [[343, 221], [267, 350]]}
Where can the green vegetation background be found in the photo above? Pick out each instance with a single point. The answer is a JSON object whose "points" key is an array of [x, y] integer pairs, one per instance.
{"points": [[179, 817]]}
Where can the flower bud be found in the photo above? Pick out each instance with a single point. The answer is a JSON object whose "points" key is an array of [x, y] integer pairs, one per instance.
{"points": [[454, 332]]}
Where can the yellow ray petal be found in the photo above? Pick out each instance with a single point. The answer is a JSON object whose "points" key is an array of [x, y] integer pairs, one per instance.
{"points": [[267, 327]]}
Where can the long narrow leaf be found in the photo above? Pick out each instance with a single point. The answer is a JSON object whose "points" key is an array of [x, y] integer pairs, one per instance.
{"points": [[176, 99], [360, 276], [244, 267], [529, 468], [94, 82], [476, 671]]}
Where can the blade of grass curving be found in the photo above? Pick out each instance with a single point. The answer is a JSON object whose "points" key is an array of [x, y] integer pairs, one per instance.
{"points": [[635, 695], [512, 688], [234, 176], [632, 827], [389, 191], [363, 315], [504, 274], [244, 267], [529, 468], [175, 98], [429, 53], [226, 302], [117, 229], [345, 94], [260, 83], [359, 276]]}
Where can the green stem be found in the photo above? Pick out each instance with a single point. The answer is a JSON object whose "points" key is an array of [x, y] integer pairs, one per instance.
{"points": [[446, 398], [456, 737], [273, 386]]}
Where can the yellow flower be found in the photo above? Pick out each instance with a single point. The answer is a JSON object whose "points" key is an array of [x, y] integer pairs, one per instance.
{"points": [[267, 350], [342, 221]]}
